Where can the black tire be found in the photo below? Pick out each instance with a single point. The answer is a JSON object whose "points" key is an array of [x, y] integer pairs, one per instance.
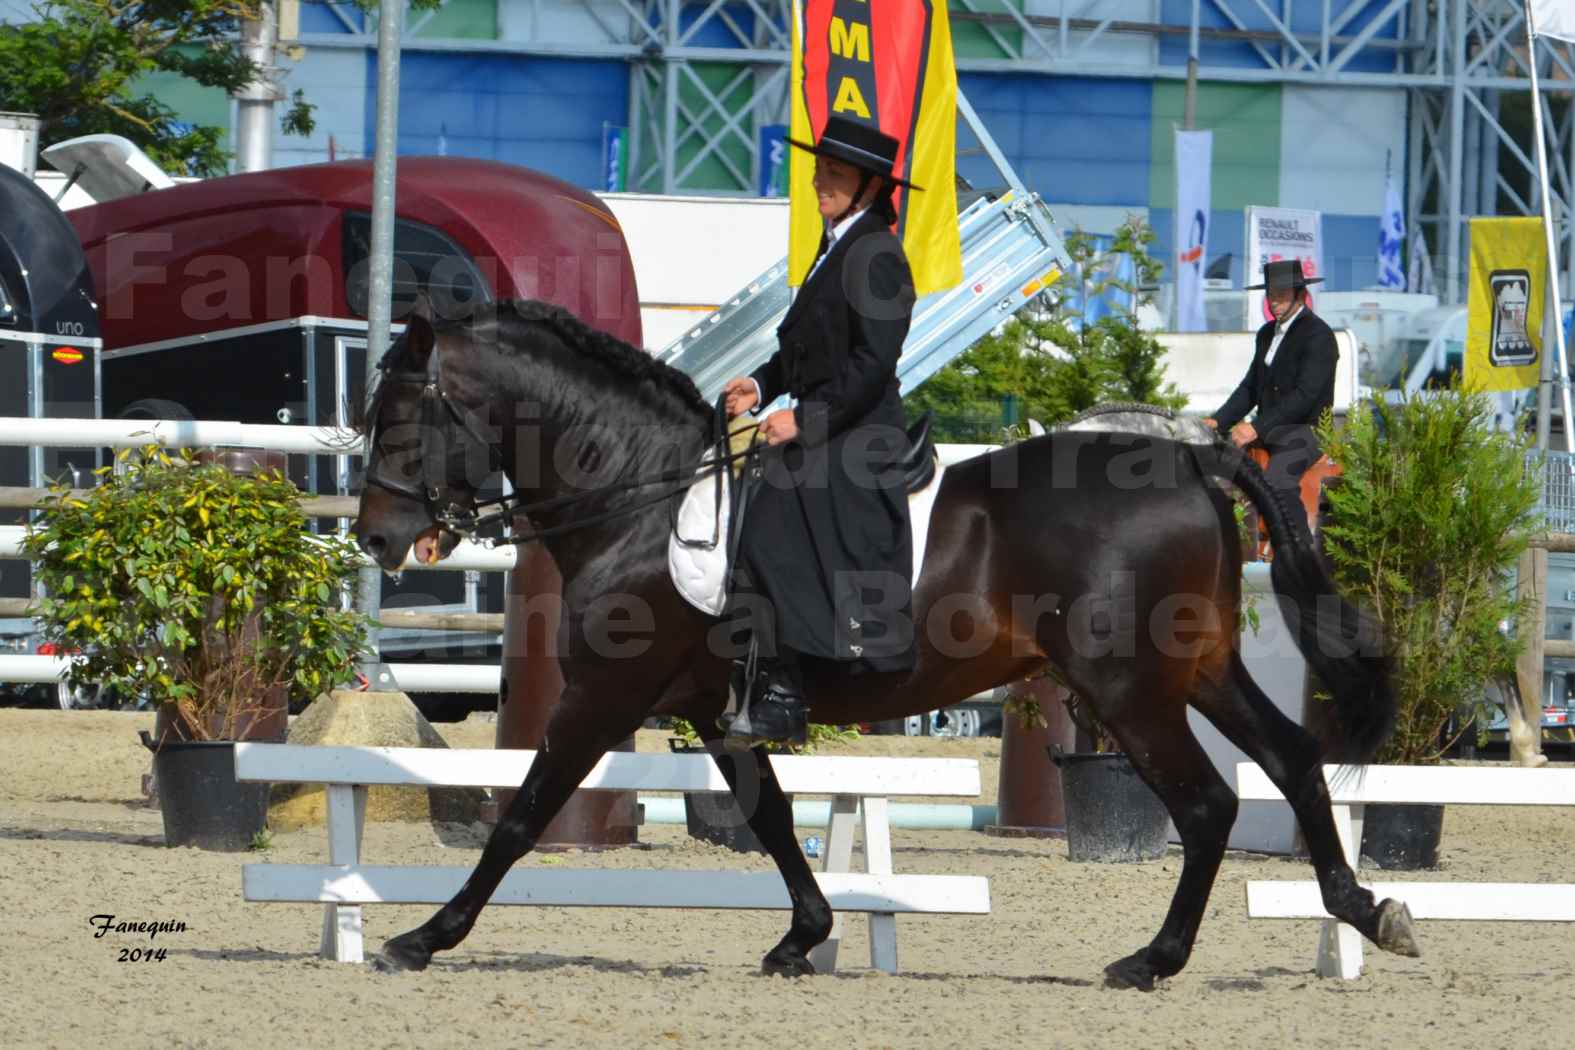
{"points": [[155, 408], [452, 707]]}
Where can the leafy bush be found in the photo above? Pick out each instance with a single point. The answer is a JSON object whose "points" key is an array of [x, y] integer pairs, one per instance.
{"points": [[195, 586], [1429, 518], [1045, 363]]}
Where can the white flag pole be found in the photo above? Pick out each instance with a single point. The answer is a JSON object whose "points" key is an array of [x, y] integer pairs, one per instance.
{"points": [[1547, 229]]}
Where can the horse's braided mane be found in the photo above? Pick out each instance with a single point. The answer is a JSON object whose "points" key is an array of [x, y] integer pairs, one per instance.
{"points": [[611, 352]]}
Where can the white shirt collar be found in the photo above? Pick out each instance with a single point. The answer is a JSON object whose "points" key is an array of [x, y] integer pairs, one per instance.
{"points": [[1281, 326], [836, 232]]}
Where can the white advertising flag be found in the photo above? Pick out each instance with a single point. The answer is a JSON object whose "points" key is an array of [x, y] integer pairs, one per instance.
{"points": [[1194, 153], [1274, 234], [1391, 238], [1553, 18]]}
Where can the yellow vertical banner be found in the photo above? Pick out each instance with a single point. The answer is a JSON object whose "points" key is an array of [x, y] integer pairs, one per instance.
{"points": [[889, 64], [1509, 265]]}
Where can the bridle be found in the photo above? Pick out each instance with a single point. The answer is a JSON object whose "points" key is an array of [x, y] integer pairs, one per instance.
{"points": [[433, 491], [467, 518]]}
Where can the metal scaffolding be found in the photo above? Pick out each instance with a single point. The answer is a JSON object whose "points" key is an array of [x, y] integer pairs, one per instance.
{"points": [[707, 74]]}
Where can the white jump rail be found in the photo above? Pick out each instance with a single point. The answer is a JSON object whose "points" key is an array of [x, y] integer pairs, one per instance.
{"points": [[467, 554], [860, 788], [412, 678], [1352, 788]]}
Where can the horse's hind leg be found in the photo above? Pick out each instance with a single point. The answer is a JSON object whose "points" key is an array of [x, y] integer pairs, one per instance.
{"points": [[573, 749], [1290, 757], [760, 796], [1170, 760]]}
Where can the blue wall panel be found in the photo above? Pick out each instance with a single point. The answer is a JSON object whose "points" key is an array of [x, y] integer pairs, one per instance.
{"points": [[543, 113], [1305, 20], [317, 18], [1350, 251], [1226, 230], [1076, 140]]}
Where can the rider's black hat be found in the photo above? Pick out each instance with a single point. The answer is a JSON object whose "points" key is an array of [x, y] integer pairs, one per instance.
{"points": [[1283, 275], [865, 147]]}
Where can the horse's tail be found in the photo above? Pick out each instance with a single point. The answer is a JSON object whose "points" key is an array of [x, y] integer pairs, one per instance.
{"points": [[1341, 642]]}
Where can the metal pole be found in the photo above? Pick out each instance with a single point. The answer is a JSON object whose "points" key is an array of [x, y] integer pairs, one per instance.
{"points": [[1416, 102], [1487, 182], [254, 102], [1569, 204], [379, 307], [1189, 121], [1561, 359], [1457, 113], [1471, 163]]}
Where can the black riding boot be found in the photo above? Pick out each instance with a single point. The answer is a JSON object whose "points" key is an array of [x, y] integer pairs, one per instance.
{"points": [[775, 711]]}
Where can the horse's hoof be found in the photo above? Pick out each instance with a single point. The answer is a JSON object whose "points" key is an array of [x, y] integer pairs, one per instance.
{"points": [[1132, 972], [402, 955], [1396, 931], [787, 965]]}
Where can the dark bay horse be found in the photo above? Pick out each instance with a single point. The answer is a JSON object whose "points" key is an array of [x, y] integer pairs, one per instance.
{"points": [[1113, 557]]}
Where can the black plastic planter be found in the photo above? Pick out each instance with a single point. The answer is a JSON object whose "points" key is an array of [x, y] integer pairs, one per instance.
{"points": [[1111, 815], [1402, 836], [202, 802], [716, 816]]}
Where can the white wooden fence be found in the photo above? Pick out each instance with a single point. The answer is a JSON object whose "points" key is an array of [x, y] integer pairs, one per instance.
{"points": [[1352, 788], [860, 788]]}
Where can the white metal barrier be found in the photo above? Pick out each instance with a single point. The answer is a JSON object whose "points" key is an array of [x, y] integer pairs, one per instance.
{"points": [[860, 788], [176, 433], [467, 555], [412, 678], [1352, 788]]}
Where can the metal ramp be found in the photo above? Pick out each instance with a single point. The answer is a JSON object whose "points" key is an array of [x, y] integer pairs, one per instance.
{"points": [[1010, 252]]}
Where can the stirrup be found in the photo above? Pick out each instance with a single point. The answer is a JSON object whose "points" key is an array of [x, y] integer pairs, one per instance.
{"points": [[776, 712], [740, 683]]}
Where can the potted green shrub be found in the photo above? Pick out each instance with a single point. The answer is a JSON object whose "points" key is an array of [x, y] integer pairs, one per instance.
{"points": [[202, 590], [1431, 514]]}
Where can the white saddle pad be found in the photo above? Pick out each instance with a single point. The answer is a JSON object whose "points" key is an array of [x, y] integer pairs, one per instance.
{"points": [[698, 572]]}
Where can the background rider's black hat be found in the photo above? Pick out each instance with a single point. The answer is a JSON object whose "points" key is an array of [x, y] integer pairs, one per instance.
{"points": [[1283, 275], [860, 145]]}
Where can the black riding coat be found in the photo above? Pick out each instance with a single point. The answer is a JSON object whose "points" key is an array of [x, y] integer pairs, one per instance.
{"points": [[826, 538], [1294, 389]]}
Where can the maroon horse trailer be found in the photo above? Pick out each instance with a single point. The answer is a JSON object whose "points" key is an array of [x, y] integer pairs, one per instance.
{"points": [[245, 298]]}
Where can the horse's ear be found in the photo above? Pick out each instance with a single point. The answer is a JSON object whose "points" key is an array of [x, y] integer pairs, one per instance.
{"points": [[419, 337], [422, 307]]}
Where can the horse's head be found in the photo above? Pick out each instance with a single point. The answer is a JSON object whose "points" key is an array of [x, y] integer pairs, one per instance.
{"points": [[422, 451]]}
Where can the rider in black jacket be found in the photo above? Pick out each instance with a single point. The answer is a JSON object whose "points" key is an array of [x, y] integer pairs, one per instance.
{"points": [[826, 542], [1290, 381]]}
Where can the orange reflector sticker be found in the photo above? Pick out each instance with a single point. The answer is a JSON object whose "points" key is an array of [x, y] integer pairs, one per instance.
{"points": [[67, 355]]}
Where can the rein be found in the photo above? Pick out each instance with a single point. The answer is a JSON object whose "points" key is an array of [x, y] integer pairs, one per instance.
{"points": [[468, 520]]}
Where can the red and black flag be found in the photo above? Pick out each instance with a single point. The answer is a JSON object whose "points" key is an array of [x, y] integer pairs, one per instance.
{"points": [[887, 63]]}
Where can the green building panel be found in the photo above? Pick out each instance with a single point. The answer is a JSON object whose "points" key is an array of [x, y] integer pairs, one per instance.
{"points": [[1245, 119], [459, 20], [711, 173], [192, 103], [984, 39]]}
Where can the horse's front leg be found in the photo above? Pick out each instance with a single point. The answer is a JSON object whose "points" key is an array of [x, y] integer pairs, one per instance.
{"points": [[575, 748], [770, 817]]}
